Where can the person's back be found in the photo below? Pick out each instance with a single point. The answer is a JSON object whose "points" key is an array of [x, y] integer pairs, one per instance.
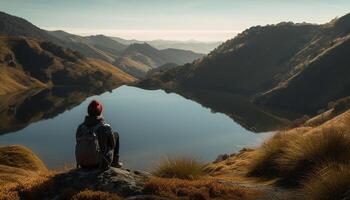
{"points": [[97, 146]]}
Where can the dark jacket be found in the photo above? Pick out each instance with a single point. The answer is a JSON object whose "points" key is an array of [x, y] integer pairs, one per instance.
{"points": [[106, 138]]}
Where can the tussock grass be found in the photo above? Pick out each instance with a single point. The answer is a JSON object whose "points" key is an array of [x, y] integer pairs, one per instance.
{"points": [[20, 170], [266, 163], [95, 195], [292, 156], [20, 157], [330, 182], [195, 189], [179, 167], [307, 153]]}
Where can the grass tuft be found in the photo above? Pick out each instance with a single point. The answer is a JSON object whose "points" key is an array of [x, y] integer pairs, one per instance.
{"points": [[20, 157], [179, 167], [95, 195], [307, 153], [330, 182], [266, 161], [292, 156]]}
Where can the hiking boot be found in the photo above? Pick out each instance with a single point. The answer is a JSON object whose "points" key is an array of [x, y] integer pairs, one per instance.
{"points": [[117, 164]]}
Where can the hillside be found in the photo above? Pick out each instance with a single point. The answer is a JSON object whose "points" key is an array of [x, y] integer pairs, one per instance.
{"points": [[134, 59], [298, 67], [99, 46], [137, 59], [161, 69], [28, 63], [190, 45], [322, 77]]}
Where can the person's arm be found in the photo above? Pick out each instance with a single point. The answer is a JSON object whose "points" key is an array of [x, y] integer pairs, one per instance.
{"points": [[110, 137]]}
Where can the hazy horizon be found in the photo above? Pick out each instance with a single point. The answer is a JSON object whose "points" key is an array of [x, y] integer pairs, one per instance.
{"points": [[183, 20]]}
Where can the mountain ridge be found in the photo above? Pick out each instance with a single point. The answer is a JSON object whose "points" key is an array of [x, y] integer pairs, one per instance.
{"points": [[28, 63], [264, 62], [96, 46]]}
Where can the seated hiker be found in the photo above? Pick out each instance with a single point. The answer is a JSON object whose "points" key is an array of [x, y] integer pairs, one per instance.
{"points": [[97, 147]]}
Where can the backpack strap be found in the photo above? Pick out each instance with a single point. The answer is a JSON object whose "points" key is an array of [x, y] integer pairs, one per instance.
{"points": [[96, 127]]}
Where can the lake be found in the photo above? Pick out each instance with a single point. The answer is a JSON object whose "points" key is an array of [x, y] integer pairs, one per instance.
{"points": [[151, 123]]}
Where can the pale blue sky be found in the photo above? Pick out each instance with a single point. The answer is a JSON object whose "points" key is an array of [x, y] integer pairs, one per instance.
{"points": [[170, 19]]}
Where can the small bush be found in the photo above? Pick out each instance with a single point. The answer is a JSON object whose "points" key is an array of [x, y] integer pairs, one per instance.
{"points": [[95, 195], [176, 167], [332, 182]]}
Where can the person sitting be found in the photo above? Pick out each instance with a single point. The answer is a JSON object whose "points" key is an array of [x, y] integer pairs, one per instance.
{"points": [[97, 146]]}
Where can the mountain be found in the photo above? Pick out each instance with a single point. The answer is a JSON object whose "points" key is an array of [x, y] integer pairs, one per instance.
{"points": [[190, 45], [161, 69], [16, 26], [27, 63], [322, 77], [137, 59], [298, 67], [98, 46]]}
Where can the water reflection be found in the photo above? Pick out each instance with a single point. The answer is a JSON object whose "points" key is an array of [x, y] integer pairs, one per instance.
{"points": [[151, 124], [21, 109]]}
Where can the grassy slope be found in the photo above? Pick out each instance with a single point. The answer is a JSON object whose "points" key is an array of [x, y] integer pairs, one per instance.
{"points": [[28, 63], [293, 67], [18, 163], [303, 157]]}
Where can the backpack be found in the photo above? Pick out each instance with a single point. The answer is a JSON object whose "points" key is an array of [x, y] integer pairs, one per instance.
{"points": [[87, 149]]}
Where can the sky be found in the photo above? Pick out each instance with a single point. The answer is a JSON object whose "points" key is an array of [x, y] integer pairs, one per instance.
{"points": [[202, 20]]}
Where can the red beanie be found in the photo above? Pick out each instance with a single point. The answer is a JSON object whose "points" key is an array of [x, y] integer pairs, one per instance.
{"points": [[95, 108]]}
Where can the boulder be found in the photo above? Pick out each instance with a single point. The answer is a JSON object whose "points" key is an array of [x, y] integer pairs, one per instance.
{"points": [[123, 182]]}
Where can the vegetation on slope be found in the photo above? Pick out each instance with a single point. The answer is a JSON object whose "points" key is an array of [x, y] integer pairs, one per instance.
{"points": [[296, 67], [18, 166], [314, 158], [137, 59], [179, 167], [28, 63]]}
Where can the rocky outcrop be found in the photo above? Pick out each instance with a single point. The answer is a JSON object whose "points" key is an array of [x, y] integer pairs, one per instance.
{"points": [[125, 183]]}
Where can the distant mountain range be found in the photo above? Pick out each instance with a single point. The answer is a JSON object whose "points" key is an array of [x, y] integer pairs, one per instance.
{"points": [[297, 67], [136, 61], [191, 45]]}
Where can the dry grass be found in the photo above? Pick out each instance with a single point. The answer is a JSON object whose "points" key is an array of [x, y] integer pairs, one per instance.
{"points": [[28, 188], [293, 156], [196, 189], [305, 154], [95, 195], [179, 167], [20, 169], [266, 161], [20, 157], [331, 182]]}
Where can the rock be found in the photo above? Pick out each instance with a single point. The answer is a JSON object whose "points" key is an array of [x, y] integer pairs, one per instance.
{"points": [[116, 180], [221, 157], [142, 173]]}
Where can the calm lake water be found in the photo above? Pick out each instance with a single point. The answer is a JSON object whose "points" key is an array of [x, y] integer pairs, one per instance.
{"points": [[151, 124]]}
